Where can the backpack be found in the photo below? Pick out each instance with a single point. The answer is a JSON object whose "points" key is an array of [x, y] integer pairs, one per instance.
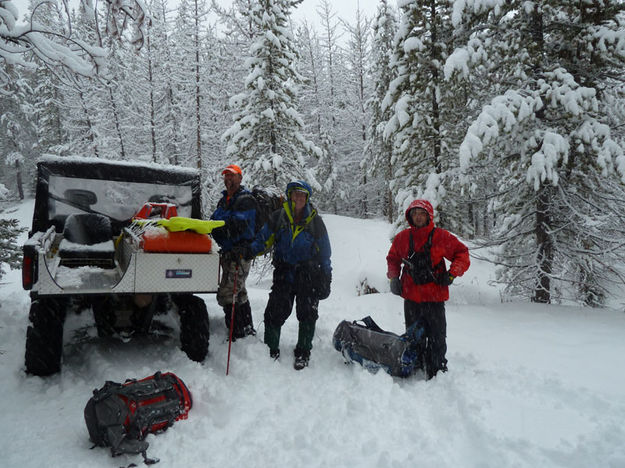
{"points": [[120, 416], [267, 201], [374, 348], [418, 265]]}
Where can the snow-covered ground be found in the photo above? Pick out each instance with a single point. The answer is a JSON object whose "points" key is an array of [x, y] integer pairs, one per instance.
{"points": [[528, 385]]}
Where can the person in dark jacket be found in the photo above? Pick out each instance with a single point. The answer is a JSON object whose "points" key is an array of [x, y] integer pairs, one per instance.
{"points": [[424, 281], [302, 269], [237, 207]]}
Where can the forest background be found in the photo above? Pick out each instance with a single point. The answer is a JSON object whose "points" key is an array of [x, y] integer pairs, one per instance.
{"points": [[508, 115]]}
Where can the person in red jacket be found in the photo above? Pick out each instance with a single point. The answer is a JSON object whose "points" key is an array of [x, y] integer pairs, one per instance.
{"points": [[424, 280]]}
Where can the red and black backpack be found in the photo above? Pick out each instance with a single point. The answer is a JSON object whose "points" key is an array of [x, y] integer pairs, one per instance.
{"points": [[120, 416]]}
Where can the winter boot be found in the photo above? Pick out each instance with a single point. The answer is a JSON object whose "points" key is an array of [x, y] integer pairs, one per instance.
{"points": [[228, 321], [244, 320], [301, 358], [272, 340], [305, 335]]}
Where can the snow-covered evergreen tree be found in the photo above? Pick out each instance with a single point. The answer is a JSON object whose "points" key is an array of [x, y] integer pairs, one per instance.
{"points": [[18, 137], [10, 251], [355, 116], [315, 113], [266, 137], [378, 152], [61, 48], [429, 111], [553, 138]]}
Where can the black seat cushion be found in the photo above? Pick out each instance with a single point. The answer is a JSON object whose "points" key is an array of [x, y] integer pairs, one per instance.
{"points": [[87, 228]]}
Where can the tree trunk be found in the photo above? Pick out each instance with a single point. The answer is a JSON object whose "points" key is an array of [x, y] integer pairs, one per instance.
{"points": [[118, 127], [91, 130], [198, 131], [544, 243], [18, 179], [436, 124], [151, 84]]}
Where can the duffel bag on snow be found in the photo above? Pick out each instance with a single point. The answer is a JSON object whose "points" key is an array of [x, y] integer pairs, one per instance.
{"points": [[120, 416], [374, 348]]}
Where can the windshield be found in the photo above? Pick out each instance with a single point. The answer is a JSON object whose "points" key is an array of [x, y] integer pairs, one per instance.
{"points": [[117, 200]]}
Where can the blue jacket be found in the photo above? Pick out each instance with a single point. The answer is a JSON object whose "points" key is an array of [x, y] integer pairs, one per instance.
{"points": [[239, 213], [296, 244]]}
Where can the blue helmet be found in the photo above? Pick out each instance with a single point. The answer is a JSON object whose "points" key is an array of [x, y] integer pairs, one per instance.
{"points": [[298, 185]]}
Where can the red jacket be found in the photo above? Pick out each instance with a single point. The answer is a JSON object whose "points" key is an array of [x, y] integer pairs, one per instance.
{"points": [[444, 244]]}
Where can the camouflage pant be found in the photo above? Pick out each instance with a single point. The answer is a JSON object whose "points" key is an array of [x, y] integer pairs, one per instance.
{"points": [[226, 285]]}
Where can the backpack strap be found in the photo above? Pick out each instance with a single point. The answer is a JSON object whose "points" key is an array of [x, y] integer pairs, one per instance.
{"points": [[436, 269], [426, 247], [370, 324]]}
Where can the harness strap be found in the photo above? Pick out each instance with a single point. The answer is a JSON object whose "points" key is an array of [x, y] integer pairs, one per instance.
{"points": [[426, 249]]}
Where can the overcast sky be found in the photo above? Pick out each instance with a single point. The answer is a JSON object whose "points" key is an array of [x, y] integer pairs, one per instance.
{"points": [[344, 9]]}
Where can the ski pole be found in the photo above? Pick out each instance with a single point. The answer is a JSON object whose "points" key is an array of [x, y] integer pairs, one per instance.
{"points": [[234, 298]]}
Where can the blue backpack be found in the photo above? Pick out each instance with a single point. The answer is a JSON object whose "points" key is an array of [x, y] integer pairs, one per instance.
{"points": [[374, 348]]}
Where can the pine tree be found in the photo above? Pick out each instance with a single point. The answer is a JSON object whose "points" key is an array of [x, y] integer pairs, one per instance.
{"points": [[188, 96], [61, 49], [560, 197], [333, 102], [378, 154], [266, 135], [429, 110], [355, 115], [18, 138], [10, 251]]}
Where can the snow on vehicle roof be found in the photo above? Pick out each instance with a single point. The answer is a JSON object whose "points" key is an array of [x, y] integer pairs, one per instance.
{"points": [[189, 171]]}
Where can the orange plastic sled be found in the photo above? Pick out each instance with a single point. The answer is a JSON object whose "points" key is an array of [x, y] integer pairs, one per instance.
{"points": [[176, 242]]}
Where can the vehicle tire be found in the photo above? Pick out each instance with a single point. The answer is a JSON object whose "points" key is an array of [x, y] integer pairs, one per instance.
{"points": [[44, 337], [194, 326]]}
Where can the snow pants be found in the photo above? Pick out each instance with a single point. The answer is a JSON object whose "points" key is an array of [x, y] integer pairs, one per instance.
{"points": [[291, 284], [431, 316]]}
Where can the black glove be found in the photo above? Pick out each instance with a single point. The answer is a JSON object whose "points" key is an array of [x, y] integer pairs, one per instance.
{"points": [[396, 286], [229, 256], [243, 251], [322, 285], [446, 279], [247, 253]]}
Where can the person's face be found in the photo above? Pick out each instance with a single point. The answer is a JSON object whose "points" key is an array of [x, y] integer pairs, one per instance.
{"points": [[232, 182], [419, 217], [298, 199]]}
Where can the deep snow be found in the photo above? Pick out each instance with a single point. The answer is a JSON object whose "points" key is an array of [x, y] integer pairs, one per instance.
{"points": [[529, 385]]}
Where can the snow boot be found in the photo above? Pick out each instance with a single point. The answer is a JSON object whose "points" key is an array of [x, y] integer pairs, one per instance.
{"points": [[243, 316], [243, 325], [272, 340], [236, 333], [301, 358], [274, 354]]}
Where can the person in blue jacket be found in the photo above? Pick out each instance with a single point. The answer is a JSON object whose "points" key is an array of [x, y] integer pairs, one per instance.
{"points": [[302, 269], [237, 207]]}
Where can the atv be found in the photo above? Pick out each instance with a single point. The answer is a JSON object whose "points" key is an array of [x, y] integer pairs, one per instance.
{"points": [[99, 241]]}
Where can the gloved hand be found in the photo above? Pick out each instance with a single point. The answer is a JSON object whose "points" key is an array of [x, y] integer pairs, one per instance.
{"points": [[396, 286], [322, 285], [243, 251], [446, 279], [229, 256]]}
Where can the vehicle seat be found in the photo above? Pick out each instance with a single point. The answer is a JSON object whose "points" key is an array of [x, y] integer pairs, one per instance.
{"points": [[87, 240]]}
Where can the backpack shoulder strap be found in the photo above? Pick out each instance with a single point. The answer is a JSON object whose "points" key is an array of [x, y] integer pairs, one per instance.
{"points": [[370, 324], [426, 247]]}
